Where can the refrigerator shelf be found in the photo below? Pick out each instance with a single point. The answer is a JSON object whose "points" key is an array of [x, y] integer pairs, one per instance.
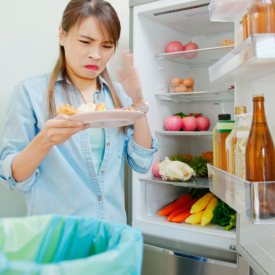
{"points": [[247, 198], [228, 10], [193, 183], [198, 96], [253, 58], [205, 56], [185, 133]]}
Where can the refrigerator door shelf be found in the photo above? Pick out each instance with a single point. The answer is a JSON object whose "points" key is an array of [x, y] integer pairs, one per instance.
{"points": [[200, 57], [227, 10], [243, 196], [197, 96], [192, 183], [211, 235], [252, 59]]}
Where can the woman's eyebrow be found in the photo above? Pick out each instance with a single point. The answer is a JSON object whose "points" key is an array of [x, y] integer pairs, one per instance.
{"points": [[91, 38]]}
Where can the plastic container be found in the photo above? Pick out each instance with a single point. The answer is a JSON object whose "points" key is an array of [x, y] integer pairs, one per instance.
{"points": [[245, 28], [181, 88], [231, 140], [215, 142], [223, 130]]}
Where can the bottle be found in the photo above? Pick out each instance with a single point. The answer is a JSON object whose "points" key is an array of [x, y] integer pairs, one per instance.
{"points": [[240, 34], [215, 142], [245, 28], [231, 140], [223, 130], [261, 17], [243, 128], [260, 161]]}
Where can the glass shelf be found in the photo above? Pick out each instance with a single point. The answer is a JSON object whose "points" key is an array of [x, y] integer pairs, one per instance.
{"points": [[244, 196], [253, 58], [192, 183], [197, 96], [205, 56], [185, 133], [228, 10]]}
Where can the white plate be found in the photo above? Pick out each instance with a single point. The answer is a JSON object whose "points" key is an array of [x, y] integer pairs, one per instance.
{"points": [[108, 119]]}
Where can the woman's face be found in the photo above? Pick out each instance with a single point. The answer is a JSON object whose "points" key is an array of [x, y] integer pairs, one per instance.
{"points": [[86, 51]]}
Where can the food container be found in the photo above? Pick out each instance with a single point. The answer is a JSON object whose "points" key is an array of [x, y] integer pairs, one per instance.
{"points": [[181, 88]]}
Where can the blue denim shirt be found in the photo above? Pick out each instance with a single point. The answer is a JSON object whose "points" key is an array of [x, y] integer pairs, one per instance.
{"points": [[66, 182]]}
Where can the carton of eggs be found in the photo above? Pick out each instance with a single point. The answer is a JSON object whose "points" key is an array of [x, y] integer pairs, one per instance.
{"points": [[182, 86]]}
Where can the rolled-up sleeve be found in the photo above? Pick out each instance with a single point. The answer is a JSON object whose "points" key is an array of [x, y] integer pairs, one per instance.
{"points": [[140, 159], [20, 129]]}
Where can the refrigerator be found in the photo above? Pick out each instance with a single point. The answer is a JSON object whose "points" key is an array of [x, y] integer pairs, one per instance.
{"points": [[171, 248]]}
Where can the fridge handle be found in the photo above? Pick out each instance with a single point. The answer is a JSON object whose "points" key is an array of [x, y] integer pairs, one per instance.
{"points": [[192, 257]]}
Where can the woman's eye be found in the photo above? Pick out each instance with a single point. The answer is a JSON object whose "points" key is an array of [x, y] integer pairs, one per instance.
{"points": [[107, 46], [85, 42]]}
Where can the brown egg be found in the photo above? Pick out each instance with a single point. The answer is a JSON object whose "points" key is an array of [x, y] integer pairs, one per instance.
{"points": [[189, 82], [182, 81], [175, 81], [190, 90], [181, 89]]}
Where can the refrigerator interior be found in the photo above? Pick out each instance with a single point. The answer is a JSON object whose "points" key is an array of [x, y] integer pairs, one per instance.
{"points": [[156, 72]]}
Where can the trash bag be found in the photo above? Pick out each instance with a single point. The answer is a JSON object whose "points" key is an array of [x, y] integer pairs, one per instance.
{"points": [[55, 245]]}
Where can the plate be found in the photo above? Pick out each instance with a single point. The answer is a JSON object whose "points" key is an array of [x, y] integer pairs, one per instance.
{"points": [[108, 119]]}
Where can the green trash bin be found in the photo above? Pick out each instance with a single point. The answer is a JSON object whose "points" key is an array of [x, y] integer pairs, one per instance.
{"points": [[55, 245]]}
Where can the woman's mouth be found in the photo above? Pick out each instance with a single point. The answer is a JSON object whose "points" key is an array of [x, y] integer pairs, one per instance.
{"points": [[92, 67]]}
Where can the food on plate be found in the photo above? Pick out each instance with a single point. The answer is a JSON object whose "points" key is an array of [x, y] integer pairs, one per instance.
{"points": [[195, 218], [175, 81], [181, 209], [100, 106], [189, 124], [173, 123], [174, 46], [202, 203], [181, 88], [208, 156], [175, 170], [189, 82], [155, 169], [182, 216], [190, 90], [224, 215], [203, 123], [86, 108], [180, 202], [67, 110], [208, 213], [190, 47]]}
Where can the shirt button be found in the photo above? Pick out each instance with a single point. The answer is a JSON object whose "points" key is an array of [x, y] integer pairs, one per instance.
{"points": [[99, 198], [97, 97], [108, 144], [102, 171]]}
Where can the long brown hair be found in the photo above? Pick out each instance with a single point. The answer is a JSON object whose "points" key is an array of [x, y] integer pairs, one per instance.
{"points": [[109, 24]]}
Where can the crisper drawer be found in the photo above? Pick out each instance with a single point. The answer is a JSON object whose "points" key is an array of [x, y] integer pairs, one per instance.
{"points": [[161, 261], [253, 200]]}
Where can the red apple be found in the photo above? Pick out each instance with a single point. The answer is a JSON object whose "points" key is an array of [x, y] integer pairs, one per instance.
{"points": [[173, 123], [155, 169], [189, 123], [190, 47], [203, 123], [174, 46]]}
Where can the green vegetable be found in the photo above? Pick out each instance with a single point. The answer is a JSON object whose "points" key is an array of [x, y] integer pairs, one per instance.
{"points": [[224, 215], [182, 115], [197, 193]]}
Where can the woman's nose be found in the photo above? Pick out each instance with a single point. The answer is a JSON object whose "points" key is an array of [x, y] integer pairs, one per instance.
{"points": [[95, 54]]}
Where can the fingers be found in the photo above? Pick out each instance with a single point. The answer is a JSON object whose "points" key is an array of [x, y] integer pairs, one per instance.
{"points": [[72, 131], [63, 123], [120, 74], [128, 60]]}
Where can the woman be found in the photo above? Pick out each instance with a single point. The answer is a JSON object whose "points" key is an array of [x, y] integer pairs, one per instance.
{"points": [[62, 166]]}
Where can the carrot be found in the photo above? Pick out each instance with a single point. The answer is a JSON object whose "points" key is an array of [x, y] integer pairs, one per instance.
{"points": [[181, 210], [180, 202], [182, 217]]}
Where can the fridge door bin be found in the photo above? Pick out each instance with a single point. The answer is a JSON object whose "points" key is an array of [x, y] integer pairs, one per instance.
{"points": [[247, 198], [162, 261]]}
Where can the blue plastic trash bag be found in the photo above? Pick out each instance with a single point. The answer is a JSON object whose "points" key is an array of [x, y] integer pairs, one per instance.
{"points": [[55, 245]]}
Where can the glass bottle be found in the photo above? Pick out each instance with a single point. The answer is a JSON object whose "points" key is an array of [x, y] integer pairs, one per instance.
{"points": [[261, 17], [231, 140], [215, 142], [260, 161], [245, 28], [240, 34]]}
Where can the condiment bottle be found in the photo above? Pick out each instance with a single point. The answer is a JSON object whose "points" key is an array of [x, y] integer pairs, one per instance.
{"points": [[215, 142], [240, 36], [223, 130], [260, 161], [243, 128], [231, 140], [261, 17]]}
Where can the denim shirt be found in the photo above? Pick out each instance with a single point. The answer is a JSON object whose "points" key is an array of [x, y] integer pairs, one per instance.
{"points": [[66, 182]]}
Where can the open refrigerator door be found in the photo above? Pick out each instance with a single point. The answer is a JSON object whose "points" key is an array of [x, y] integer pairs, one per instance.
{"points": [[154, 26]]}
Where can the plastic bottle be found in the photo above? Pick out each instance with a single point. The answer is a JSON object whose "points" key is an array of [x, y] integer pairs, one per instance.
{"points": [[230, 142], [223, 130], [240, 34], [215, 143], [260, 162]]}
